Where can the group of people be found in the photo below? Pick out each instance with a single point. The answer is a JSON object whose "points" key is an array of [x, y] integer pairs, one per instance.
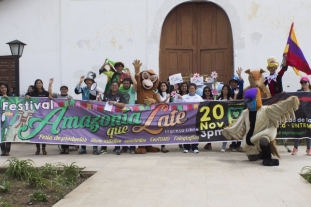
{"points": [[121, 89]]}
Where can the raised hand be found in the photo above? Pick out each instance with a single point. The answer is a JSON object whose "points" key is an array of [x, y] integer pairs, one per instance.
{"points": [[51, 80], [127, 70], [105, 63], [82, 78], [239, 71], [137, 65], [98, 97], [102, 68], [236, 91]]}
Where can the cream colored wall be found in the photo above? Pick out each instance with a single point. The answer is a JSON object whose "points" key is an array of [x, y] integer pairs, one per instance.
{"points": [[65, 39]]}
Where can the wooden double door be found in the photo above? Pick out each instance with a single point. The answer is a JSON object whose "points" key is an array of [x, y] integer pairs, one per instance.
{"points": [[196, 38]]}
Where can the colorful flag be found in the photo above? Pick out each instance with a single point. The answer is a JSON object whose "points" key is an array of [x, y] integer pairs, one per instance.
{"points": [[294, 55]]}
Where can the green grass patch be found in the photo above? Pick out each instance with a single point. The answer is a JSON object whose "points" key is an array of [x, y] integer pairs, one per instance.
{"points": [[22, 183]]}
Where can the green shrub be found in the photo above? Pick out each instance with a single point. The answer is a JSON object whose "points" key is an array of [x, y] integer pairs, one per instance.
{"points": [[61, 182], [5, 185], [47, 171], [18, 169], [306, 173], [5, 203], [70, 172], [38, 196], [34, 179]]}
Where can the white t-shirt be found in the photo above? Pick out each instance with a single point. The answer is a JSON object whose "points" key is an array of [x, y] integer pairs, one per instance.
{"points": [[164, 97], [188, 98], [57, 95]]}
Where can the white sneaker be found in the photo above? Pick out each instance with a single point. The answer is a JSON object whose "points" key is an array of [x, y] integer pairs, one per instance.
{"points": [[196, 151], [185, 151], [223, 150]]}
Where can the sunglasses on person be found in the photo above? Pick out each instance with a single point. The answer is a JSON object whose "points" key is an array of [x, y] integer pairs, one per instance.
{"points": [[302, 82], [207, 91]]}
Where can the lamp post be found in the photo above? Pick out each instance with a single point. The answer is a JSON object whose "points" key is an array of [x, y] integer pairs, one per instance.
{"points": [[17, 48]]}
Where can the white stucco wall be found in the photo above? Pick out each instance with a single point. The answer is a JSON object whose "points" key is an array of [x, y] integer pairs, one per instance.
{"points": [[65, 39]]}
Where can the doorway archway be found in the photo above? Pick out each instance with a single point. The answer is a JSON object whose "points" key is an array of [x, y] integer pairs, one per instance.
{"points": [[196, 38]]}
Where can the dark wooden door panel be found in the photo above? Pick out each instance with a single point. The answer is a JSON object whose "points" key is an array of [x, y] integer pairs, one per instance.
{"points": [[220, 65], [186, 62], [186, 17], [171, 61], [178, 61], [206, 61]]}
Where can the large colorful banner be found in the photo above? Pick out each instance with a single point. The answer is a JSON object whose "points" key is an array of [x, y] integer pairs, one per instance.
{"points": [[75, 122]]}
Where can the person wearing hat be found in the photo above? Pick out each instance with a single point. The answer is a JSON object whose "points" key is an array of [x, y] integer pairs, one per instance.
{"points": [[87, 95], [116, 74], [64, 95], [236, 92], [86, 90], [63, 91], [274, 80], [237, 82], [305, 87]]}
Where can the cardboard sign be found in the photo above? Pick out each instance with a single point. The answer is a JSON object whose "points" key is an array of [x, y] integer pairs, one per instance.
{"points": [[197, 81], [175, 79]]}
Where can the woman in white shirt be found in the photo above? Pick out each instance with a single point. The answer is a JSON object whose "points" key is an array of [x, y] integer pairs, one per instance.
{"points": [[163, 96], [183, 90], [190, 97]]}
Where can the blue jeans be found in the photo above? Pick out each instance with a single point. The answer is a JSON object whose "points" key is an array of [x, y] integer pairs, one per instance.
{"points": [[296, 143], [224, 145], [83, 148], [193, 146]]}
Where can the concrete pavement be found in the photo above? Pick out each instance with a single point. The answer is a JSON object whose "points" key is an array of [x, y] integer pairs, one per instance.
{"points": [[210, 178]]}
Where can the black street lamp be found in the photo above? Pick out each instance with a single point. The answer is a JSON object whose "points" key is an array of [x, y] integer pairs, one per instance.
{"points": [[17, 48]]}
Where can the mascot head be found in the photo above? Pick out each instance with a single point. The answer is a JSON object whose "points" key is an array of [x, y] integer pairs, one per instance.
{"points": [[256, 78], [149, 80], [253, 99]]}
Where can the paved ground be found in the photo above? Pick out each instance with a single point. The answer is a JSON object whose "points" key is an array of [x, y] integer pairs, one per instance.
{"points": [[210, 178]]}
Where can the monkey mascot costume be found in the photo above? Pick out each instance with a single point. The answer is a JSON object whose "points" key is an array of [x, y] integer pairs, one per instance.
{"points": [[257, 126], [147, 83]]}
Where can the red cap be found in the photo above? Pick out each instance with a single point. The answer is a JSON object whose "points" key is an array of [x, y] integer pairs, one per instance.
{"points": [[304, 79]]}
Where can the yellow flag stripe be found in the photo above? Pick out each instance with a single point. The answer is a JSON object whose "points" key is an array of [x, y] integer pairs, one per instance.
{"points": [[293, 37], [297, 71], [286, 48]]}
